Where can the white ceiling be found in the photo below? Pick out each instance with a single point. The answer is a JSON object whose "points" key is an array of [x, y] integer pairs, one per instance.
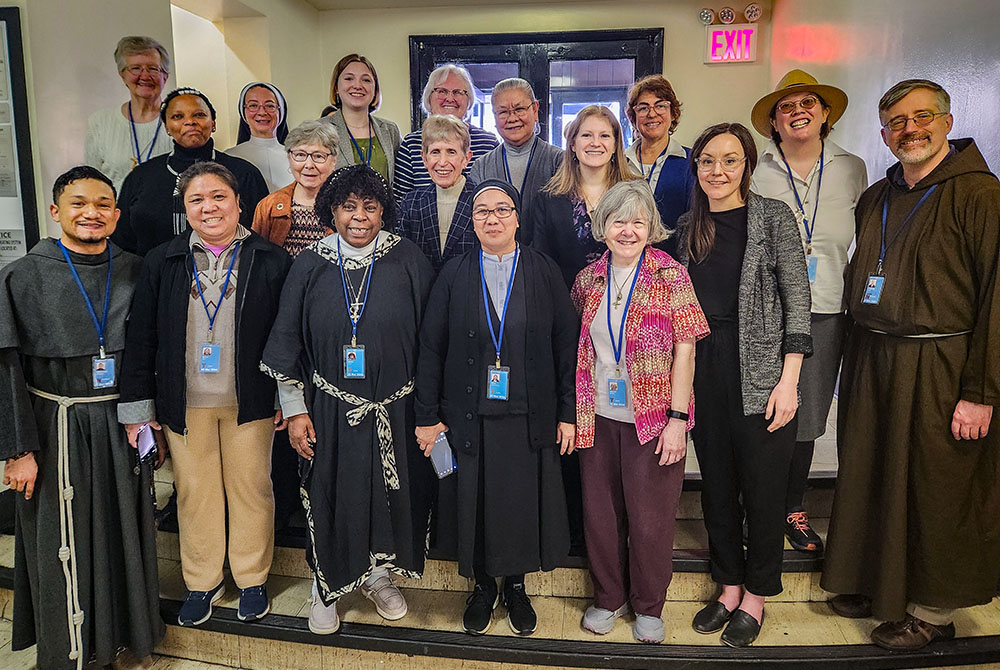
{"points": [[374, 4]]}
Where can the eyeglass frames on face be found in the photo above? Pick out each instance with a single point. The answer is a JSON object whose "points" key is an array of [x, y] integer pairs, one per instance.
{"points": [[137, 70], [483, 213], [519, 112], [728, 164], [920, 119], [788, 106], [643, 109], [453, 92], [252, 107], [318, 157]]}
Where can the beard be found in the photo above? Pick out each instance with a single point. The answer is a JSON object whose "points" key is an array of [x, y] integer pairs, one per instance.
{"points": [[916, 154]]}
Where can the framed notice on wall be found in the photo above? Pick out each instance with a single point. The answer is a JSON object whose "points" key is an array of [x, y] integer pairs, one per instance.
{"points": [[18, 216]]}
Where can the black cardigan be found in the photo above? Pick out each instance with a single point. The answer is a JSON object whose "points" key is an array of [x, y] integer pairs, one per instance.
{"points": [[147, 197], [153, 365], [451, 368], [550, 229]]}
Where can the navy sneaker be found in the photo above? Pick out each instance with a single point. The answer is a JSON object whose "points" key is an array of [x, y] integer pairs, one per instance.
{"points": [[198, 606], [253, 603]]}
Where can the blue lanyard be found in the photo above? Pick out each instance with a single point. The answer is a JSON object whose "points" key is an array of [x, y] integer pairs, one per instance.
{"points": [[347, 300], [506, 168], [225, 285], [371, 142], [135, 137], [798, 202], [652, 167], [86, 298], [617, 348], [909, 217], [497, 341]]}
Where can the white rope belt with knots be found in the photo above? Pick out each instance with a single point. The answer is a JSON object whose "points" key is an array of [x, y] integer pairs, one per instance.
{"points": [[67, 546], [363, 407]]}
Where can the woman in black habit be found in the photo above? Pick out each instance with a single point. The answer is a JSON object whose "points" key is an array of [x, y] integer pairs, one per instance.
{"points": [[496, 373], [343, 350]]}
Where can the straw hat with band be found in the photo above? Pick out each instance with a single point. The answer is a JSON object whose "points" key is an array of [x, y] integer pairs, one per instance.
{"points": [[797, 81]]}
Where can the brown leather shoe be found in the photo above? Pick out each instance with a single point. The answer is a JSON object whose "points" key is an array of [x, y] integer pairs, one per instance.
{"points": [[910, 634], [851, 605]]}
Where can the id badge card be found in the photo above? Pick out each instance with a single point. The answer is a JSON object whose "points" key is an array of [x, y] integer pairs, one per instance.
{"points": [[209, 360], [103, 371], [873, 290], [811, 263], [617, 393], [497, 383], [354, 361]]}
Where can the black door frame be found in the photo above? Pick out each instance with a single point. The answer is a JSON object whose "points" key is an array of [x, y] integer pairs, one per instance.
{"points": [[533, 52]]}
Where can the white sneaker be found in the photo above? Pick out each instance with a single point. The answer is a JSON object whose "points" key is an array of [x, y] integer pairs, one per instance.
{"points": [[389, 602], [323, 620], [602, 621]]}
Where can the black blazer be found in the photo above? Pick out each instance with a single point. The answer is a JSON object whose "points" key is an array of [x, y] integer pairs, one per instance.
{"points": [[550, 229], [451, 367], [153, 365]]}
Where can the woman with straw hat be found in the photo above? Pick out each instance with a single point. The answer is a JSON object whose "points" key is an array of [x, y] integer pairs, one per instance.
{"points": [[821, 183]]}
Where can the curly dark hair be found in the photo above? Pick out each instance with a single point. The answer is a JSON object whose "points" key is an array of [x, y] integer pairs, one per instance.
{"points": [[361, 181]]}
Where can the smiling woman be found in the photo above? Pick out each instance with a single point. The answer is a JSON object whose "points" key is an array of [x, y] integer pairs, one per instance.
{"points": [[123, 136], [263, 128], [152, 210]]}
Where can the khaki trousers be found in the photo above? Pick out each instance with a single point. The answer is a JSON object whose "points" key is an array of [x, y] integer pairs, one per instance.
{"points": [[939, 616], [220, 463]]}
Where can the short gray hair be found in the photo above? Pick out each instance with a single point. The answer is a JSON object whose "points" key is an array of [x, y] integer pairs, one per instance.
{"points": [[441, 73], [138, 44], [441, 127], [317, 131], [515, 84], [628, 200], [907, 86]]}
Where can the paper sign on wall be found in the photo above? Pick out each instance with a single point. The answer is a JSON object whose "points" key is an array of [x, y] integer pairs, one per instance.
{"points": [[731, 44]]}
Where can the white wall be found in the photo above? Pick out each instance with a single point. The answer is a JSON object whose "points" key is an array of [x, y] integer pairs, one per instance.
{"points": [[383, 36], [201, 57], [865, 46]]}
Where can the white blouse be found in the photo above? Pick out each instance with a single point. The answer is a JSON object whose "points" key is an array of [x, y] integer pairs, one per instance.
{"points": [[267, 155], [110, 148]]}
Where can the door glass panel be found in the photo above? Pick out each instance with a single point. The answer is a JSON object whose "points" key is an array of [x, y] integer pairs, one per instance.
{"points": [[574, 84]]}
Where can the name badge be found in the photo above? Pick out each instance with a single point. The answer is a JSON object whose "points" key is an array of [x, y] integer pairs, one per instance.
{"points": [[497, 383], [617, 393], [873, 290], [811, 263], [354, 361], [103, 371], [210, 354]]}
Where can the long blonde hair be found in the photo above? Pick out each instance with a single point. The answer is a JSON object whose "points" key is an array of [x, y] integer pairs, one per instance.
{"points": [[566, 180]]}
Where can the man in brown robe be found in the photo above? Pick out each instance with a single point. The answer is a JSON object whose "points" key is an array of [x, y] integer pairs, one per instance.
{"points": [[915, 530]]}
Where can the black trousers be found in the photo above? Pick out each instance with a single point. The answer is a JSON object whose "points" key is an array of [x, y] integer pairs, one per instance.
{"points": [[739, 459]]}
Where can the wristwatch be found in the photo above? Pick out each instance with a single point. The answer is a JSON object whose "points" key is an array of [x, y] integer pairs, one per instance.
{"points": [[675, 414]]}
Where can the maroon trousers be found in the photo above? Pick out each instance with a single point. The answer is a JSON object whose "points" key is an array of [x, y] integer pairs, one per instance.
{"points": [[629, 511]]}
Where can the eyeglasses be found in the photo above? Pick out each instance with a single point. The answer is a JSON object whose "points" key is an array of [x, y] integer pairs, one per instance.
{"points": [[252, 107], [788, 106], [728, 164], [502, 212], [318, 157], [454, 92], [504, 114], [137, 70], [642, 109], [920, 119]]}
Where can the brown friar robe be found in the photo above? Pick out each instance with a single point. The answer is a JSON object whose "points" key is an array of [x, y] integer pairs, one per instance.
{"points": [[916, 517]]}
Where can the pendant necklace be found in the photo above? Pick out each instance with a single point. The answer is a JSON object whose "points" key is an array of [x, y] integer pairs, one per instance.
{"points": [[620, 287]]}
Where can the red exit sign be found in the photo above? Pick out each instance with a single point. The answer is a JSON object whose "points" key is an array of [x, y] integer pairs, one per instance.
{"points": [[731, 44]]}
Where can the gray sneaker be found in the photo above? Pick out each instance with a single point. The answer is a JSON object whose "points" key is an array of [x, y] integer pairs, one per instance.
{"points": [[323, 620], [602, 621], [648, 629], [389, 602]]}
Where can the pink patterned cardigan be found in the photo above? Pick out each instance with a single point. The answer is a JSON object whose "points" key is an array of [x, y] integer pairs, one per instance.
{"points": [[664, 310]]}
